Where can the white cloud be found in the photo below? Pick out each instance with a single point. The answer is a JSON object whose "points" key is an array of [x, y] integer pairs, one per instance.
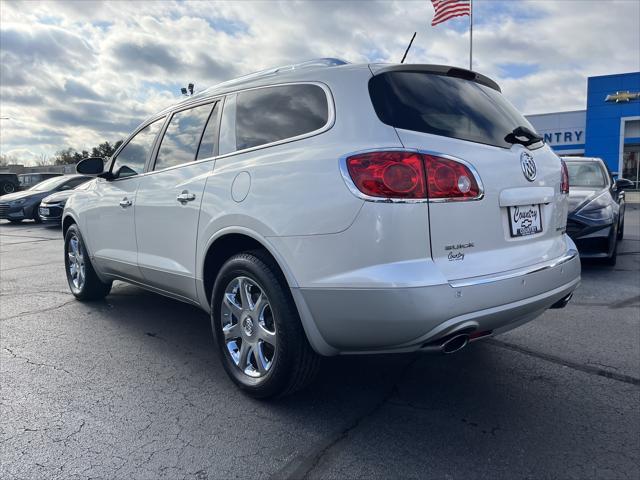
{"points": [[78, 73]]}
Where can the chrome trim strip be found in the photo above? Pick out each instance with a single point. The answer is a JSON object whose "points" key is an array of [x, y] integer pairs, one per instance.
{"points": [[153, 289], [470, 282], [344, 171]]}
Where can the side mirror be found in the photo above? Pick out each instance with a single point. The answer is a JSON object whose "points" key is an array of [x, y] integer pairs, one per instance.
{"points": [[90, 166], [624, 184]]}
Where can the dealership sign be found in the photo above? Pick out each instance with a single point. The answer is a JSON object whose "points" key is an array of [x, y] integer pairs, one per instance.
{"points": [[564, 137], [622, 97]]}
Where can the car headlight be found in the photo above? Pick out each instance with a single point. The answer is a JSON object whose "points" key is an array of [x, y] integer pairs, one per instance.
{"points": [[17, 203], [598, 209]]}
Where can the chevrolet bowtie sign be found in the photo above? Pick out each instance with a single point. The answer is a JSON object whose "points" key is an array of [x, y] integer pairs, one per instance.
{"points": [[622, 97]]}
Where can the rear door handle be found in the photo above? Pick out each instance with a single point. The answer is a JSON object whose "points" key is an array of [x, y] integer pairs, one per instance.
{"points": [[185, 197], [125, 202]]}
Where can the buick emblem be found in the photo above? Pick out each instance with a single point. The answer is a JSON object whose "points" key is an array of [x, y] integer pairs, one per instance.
{"points": [[528, 166]]}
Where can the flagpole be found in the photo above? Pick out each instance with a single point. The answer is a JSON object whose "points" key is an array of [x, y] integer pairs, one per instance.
{"points": [[471, 35]]}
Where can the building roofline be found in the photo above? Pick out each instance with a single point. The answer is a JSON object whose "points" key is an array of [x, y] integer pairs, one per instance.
{"points": [[615, 75], [555, 113]]}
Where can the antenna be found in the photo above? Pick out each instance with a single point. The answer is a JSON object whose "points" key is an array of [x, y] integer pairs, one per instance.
{"points": [[188, 90], [407, 50]]}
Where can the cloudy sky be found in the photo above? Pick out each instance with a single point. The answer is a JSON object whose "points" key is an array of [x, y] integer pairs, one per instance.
{"points": [[76, 73]]}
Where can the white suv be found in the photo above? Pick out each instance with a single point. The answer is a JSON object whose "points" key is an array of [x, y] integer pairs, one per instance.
{"points": [[328, 208]]}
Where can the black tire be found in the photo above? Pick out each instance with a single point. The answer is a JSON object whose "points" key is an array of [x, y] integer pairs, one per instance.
{"points": [[91, 288], [7, 187], [621, 229], [36, 214], [294, 363], [612, 259]]}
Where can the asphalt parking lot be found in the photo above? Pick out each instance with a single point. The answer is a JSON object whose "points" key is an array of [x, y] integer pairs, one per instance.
{"points": [[131, 387]]}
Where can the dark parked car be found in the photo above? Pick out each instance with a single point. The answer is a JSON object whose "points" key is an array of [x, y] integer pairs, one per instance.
{"points": [[596, 208], [9, 183], [28, 180], [19, 206], [51, 207]]}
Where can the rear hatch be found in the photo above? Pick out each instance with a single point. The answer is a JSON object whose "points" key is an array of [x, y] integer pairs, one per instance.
{"points": [[448, 112]]}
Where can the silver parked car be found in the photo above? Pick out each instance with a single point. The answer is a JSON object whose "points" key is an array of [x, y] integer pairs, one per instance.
{"points": [[328, 208]]}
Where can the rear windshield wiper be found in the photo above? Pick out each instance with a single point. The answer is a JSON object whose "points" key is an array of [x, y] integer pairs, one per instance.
{"points": [[523, 136]]}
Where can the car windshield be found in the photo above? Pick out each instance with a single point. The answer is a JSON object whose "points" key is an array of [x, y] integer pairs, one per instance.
{"points": [[585, 174], [50, 184]]}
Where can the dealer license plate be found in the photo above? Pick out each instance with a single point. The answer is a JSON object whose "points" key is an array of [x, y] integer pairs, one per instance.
{"points": [[525, 220], [44, 211]]}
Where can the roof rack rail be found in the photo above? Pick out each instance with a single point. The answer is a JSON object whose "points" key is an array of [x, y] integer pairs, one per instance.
{"points": [[318, 62]]}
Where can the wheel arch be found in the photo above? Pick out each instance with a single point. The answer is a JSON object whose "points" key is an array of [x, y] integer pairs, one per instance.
{"points": [[67, 221], [229, 242], [234, 240]]}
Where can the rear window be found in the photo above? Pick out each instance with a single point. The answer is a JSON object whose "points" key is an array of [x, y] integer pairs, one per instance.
{"points": [[272, 114], [586, 174], [446, 106]]}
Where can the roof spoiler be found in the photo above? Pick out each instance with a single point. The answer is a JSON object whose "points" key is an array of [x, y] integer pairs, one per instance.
{"points": [[445, 70]]}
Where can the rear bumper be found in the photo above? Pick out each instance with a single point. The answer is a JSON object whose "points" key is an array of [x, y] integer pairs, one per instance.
{"points": [[405, 319]]}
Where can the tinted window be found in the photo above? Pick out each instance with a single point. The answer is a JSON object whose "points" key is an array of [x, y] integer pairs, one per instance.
{"points": [[131, 159], [49, 184], [270, 114], [210, 137], [74, 182], [180, 142], [447, 106], [586, 174]]}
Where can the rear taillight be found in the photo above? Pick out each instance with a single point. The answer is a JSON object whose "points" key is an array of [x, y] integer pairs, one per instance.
{"points": [[388, 174], [448, 179], [564, 183], [411, 175]]}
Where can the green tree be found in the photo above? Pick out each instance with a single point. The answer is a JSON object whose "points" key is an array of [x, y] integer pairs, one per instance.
{"points": [[105, 149], [70, 156]]}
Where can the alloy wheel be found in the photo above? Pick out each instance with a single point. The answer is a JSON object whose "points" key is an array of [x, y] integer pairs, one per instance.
{"points": [[248, 327], [76, 265]]}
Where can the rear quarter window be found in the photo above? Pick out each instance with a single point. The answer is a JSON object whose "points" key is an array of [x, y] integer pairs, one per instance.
{"points": [[271, 114], [445, 106]]}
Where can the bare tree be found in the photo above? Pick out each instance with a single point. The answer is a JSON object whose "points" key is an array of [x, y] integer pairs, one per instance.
{"points": [[6, 160], [43, 160]]}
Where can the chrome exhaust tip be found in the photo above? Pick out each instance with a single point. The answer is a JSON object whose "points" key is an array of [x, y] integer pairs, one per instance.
{"points": [[455, 344], [562, 302], [452, 344]]}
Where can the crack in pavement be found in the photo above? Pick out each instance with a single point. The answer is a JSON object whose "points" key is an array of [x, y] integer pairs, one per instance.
{"points": [[565, 363], [29, 266], [33, 312], [25, 236], [627, 302], [31, 241], [30, 362], [301, 466], [34, 292]]}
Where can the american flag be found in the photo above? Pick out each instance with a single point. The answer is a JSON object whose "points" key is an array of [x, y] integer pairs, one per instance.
{"points": [[447, 9]]}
